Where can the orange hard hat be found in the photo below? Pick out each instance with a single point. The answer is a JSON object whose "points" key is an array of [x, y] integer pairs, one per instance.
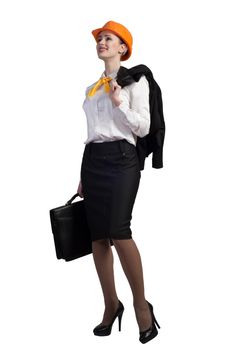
{"points": [[119, 30]]}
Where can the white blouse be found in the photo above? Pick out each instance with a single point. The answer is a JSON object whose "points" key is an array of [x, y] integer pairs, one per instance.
{"points": [[106, 122]]}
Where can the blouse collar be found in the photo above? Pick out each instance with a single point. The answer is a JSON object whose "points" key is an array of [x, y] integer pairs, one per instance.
{"points": [[113, 75]]}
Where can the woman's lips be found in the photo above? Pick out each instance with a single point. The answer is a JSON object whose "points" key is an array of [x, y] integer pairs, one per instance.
{"points": [[102, 49]]}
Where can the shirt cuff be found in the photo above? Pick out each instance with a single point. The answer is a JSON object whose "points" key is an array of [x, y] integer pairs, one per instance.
{"points": [[128, 117], [122, 107]]}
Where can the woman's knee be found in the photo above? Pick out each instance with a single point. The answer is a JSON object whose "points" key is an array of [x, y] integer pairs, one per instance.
{"points": [[101, 242], [120, 242]]}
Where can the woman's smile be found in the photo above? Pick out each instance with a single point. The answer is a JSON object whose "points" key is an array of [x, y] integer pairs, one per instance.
{"points": [[101, 49]]}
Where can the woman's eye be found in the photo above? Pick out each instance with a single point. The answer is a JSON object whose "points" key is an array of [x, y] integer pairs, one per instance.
{"points": [[108, 38]]}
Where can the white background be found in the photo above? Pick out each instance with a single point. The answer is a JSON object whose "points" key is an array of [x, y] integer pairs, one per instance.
{"points": [[183, 216]]}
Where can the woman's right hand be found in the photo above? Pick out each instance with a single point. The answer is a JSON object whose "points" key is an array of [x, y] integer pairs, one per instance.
{"points": [[80, 190]]}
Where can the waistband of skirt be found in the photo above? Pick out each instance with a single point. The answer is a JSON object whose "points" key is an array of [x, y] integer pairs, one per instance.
{"points": [[109, 146]]}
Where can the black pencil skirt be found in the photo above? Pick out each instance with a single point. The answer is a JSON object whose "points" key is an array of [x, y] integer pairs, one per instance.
{"points": [[110, 176]]}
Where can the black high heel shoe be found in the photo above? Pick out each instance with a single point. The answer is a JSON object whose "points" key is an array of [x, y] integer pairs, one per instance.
{"points": [[103, 330], [151, 332]]}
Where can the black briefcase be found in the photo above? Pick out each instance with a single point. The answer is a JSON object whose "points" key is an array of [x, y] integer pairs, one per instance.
{"points": [[70, 229]]}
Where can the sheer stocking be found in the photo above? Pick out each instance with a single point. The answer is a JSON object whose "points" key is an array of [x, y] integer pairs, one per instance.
{"points": [[104, 261], [131, 263]]}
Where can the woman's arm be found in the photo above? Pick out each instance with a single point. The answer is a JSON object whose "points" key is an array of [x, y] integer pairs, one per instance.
{"points": [[132, 106], [80, 189]]}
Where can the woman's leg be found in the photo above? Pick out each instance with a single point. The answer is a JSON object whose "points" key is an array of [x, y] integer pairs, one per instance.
{"points": [[131, 262], [104, 261]]}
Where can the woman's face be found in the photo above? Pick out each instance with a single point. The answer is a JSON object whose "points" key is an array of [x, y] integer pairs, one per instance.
{"points": [[108, 45]]}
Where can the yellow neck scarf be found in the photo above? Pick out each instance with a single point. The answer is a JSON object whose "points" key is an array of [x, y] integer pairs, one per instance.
{"points": [[101, 81]]}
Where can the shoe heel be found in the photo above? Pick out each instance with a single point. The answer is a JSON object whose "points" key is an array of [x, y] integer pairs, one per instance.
{"points": [[156, 321], [152, 312], [120, 319]]}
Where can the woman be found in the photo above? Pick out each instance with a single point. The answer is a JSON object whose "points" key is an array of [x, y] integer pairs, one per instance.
{"points": [[110, 176]]}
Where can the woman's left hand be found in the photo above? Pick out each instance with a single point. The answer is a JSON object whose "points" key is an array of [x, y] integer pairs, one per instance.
{"points": [[115, 89]]}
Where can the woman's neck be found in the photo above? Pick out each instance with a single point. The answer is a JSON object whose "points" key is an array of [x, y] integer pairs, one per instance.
{"points": [[110, 67]]}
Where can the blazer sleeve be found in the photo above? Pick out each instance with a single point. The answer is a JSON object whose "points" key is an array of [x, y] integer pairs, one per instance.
{"points": [[134, 109]]}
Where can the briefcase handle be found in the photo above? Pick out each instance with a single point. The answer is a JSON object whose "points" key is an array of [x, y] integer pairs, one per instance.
{"points": [[72, 198]]}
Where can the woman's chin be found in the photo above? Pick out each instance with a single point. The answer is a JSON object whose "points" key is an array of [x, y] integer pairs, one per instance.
{"points": [[101, 56]]}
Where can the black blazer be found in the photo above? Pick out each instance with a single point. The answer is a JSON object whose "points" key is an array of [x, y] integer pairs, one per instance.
{"points": [[154, 140]]}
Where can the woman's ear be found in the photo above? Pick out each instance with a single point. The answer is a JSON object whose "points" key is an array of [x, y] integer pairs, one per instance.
{"points": [[124, 49]]}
